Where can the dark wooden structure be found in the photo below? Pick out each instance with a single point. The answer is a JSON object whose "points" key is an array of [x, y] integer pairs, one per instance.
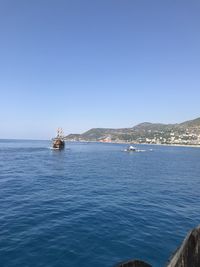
{"points": [[188, 255]]}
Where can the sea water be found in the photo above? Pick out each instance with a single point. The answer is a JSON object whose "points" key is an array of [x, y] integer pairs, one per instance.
{"points": [[94, 205]]}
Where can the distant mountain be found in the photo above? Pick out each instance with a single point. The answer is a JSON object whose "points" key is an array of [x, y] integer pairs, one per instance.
{"points": [[191, 123], [187, 132], [146, 126]]}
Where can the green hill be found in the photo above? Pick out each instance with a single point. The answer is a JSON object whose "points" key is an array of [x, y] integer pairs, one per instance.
{"points": [[188, 131]]}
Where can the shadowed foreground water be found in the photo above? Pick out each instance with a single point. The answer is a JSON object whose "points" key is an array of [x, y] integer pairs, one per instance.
{"points": [[93, 205]]}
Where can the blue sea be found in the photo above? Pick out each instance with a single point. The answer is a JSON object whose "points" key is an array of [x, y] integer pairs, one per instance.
{"points": [[94, 205]]}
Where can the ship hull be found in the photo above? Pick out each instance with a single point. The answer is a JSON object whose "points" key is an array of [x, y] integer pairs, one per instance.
{"points": [[58, 144]]}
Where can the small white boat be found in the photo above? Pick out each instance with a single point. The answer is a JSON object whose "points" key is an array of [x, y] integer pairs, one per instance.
{"points": [[131, 149]]}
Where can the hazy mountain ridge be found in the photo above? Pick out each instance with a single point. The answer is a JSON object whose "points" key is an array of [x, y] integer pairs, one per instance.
{"points": [[187, 132], [191, 123]]}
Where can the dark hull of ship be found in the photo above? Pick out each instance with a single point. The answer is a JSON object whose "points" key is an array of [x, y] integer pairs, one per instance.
{"points": [[58, 144]]}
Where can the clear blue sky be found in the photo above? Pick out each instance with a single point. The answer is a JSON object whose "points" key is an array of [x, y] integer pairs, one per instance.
{"points": [[98, 63]]}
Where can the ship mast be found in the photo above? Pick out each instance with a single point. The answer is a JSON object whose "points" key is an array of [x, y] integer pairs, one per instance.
{"points": [[60, 133]]}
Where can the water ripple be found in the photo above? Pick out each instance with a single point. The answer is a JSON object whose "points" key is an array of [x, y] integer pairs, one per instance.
{"points": [[94, 205]]}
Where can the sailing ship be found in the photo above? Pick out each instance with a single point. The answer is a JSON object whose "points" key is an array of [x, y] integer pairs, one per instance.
{"points": [[58, 141]]}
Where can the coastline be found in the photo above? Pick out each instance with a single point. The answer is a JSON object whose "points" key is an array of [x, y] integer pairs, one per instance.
{"points": [[129, 143], [177, 145]]}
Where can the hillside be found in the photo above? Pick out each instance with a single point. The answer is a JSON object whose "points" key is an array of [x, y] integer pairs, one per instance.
{"points": [[187, 132]]}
